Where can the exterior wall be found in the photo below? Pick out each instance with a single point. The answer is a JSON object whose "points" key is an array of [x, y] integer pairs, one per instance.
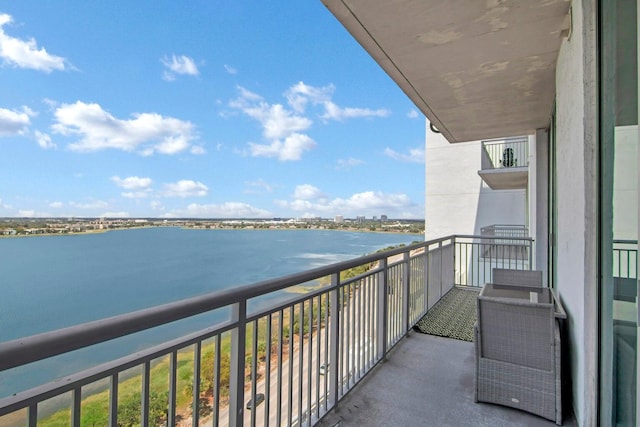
{"points": [[541, 205], [456, 199], [577, 182]]}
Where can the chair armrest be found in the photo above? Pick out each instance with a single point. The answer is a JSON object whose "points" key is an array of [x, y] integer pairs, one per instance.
{"points": [[559, 309]]}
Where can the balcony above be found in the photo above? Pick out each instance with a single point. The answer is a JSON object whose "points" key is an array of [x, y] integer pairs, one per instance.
{"points": [[505, 163]]}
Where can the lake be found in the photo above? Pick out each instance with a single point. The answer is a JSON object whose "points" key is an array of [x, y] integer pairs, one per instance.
{"points": [[51, 282]]}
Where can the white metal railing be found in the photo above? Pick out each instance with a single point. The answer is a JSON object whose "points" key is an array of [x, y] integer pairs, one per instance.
{"points": [[477, 256], [291, 361], [505, 153], [505, 230]]}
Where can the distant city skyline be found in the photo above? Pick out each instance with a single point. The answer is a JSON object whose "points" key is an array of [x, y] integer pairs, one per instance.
{"points": [[234, 110]]}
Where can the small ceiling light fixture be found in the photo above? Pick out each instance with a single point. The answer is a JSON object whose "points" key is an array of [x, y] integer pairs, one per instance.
{"points": [[433, 128]]}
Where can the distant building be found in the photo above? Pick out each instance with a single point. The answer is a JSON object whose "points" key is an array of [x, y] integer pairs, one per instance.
{"points": [[383, 218], [339, 219], [360, 219], [375, 218]]}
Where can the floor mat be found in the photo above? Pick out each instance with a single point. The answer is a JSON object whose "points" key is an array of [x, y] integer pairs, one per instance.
{"points": [[453, 316]]}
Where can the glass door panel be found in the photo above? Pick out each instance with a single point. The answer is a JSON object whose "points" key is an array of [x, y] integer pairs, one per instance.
{"points": [[619, 212]]}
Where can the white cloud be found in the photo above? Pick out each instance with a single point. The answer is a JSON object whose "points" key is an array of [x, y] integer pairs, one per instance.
{"points": [[277, 122], [300, 94], [224, 210], [4, 205], [412, 114], [15, 122], [139, 187], [96, 204], [365, 203], [132, 182], [230, 69], [25, 53], [258, 186], [56, 205], [27, 213], [334, 112], [415, 155], [145, 132], [347, 164], [290, 149], [178, 65], [307, 192], [44, 140], [185, 188], [156, 206], [198, 150], [120, 214], [285, 129]]}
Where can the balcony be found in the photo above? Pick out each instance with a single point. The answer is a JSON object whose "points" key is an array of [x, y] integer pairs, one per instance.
{"points": [[505, 163], [333, 352]]}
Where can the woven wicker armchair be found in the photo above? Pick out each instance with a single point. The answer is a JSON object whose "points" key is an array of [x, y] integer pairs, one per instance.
{"points": [[519, 278], [517, 341]]}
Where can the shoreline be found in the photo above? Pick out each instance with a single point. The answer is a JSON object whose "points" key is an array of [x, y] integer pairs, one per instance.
{"points": [[247, 228]]}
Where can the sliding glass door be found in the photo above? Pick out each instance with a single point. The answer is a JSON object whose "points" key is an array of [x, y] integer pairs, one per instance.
{"points": [[619, 159]]}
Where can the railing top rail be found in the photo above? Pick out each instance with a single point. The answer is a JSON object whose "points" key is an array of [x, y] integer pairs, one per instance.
{"points": [[625, 242], [484, 238], [504, 225], [509, 140], [41, 346]]}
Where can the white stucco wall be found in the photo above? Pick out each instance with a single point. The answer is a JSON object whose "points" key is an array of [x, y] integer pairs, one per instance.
{"points": [[456, 199], [576, 205]]}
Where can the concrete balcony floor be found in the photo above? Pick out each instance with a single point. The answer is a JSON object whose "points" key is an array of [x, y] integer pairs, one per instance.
{"points": [[426, 381]]}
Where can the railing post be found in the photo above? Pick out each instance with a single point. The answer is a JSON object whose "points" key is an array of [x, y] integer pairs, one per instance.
{"points": [[454, 244], [236, 377], [334, 340], [383, 297], [426, 278], [406, 286]]}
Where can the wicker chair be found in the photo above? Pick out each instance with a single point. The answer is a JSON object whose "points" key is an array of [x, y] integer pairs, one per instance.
{"points": [[517, 344], [519, 278]]}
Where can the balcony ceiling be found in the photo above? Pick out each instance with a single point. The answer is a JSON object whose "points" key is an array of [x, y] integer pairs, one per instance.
{"points": [[506, 178], [476, 69]]}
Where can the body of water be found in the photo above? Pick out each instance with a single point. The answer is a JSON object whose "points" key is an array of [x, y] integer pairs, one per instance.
{"points": [[51, 282]]}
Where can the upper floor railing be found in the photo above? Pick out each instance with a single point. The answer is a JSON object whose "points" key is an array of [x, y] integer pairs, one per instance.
{"points": [[505, 230], [625, 259], [505, 153], [278, 359]]}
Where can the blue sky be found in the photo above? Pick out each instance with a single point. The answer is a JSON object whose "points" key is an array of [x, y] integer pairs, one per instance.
{"points": [[213, 109]]}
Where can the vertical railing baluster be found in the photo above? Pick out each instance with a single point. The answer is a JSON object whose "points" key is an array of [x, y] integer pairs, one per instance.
{"points": [[216, 381], [173, 370], [290, 364], [113, 400], [238, 352], [279, 368], [334, 340], [254, 363], [195, 404], [383, 295], [76, 394], [327, 358], [319, 362], [310, 360], [300, 359], [406, 282], [146, 384], [32, 415], [267, 369]]}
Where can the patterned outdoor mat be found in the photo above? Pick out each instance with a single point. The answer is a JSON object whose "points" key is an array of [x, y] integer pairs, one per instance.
{"points": [[453, 316]]}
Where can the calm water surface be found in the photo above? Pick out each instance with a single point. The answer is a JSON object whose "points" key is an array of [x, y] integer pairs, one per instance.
{"points": [[50, 282]]}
